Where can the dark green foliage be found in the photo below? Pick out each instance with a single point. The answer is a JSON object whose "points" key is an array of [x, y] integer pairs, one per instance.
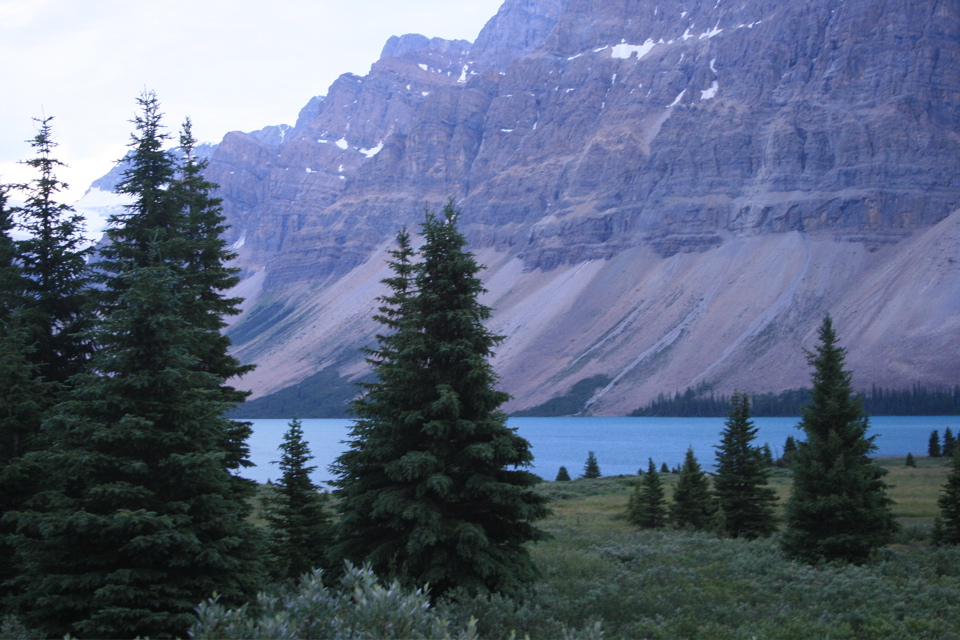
{"points": [[664, 468], [591, 469], [563, 475], [647, 506], [933, 447], [947, 527], [701, 401], [693, 505], [767, 454], [838, 508], [667, 584], [53, 261], [789, 452], [570, 403], [138, 517], [910, 462], [137, 521], [361, 608], [743, 497], [296, 511], [432, 488], [949, 443]]}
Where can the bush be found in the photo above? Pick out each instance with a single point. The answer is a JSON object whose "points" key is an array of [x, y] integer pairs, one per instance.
{"points": [[361, 608]]}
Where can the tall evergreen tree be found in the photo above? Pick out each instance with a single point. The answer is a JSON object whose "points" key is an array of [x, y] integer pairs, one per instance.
{"points": [[693, 505], [838, 507], [208, 277], [933, 446], [54, 263], [647, 506], [432, 489], [591, 468], [302, 531], [139, 518], [946, 529], [744, 499]]}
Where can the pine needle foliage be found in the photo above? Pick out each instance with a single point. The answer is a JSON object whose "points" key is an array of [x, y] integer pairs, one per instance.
{"points": [[647, 505], [53, 260], [138, 517], [563, 475], [745, 501], [838, 507], [947, 526], [693, 506], [432, 489], [296, 511], [591, 468]]}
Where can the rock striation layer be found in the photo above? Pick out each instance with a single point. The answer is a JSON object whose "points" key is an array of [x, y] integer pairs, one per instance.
{"points": [[666, 192]]}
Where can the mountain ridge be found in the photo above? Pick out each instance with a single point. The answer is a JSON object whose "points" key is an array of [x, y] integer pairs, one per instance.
{"points": [[665, 193]]}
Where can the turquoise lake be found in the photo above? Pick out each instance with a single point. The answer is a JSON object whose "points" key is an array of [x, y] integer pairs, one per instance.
{"points": [[622, 445]]}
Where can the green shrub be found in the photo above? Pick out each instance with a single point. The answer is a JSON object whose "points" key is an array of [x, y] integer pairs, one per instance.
{"points": [[361, 609]]}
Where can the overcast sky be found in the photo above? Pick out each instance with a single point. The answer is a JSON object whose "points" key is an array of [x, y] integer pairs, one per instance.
{"points": [[227, 64]]}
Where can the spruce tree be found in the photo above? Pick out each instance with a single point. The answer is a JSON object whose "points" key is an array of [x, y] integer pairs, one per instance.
{"points": [[946, 529], [139, 518], [563, 475], [743, 497], [433, 488], [54, 263], [949, 443], [693, 505], [591, 469], [933, 446], [910, 462], [838, 507], [296, 511], [647, 506], [208, 277]]}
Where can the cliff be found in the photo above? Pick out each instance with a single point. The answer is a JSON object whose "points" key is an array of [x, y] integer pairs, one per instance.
{"points": [[665, 192]]}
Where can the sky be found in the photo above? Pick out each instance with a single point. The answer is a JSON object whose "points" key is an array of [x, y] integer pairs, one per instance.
{"points": [[228, 65]]}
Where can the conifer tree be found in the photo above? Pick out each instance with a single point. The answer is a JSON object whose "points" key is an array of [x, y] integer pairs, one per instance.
{"points": [[693, 505], [949, 443], [910, 462], [838, 507], [296, 511], [432, 489], [54, 263], [789, 451], [647, 506], [743, 497], [591, 469], [946, 529], [139, 518], [208, 277], [563, 475], [933, 446]]}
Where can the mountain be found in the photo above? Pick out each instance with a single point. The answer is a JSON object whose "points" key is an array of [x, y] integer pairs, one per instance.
{"points": [[665, 193]]}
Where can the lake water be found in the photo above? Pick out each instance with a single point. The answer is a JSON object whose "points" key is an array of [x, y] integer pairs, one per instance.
{"points": [[622, 445]]}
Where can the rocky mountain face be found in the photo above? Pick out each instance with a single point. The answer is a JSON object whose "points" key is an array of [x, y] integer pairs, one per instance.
{"points": [[665, 192]]}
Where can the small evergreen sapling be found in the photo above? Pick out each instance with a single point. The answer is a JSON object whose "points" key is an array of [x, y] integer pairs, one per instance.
{"points": [[838, 508], [933, 446], [745, 500], [946, 528], [647, 506], [949, 443], [910, 462], [693, 505], [563, 475], [296, 511], [591, 469]]}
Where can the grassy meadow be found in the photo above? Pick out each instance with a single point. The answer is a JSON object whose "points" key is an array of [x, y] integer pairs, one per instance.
{"points": [[601, 577]]}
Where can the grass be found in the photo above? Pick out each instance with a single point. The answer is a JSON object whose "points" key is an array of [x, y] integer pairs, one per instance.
{"points": [[598, 569]]}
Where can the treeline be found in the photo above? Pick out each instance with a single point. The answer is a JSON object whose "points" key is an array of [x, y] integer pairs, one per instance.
{"points": [[701, 402]]}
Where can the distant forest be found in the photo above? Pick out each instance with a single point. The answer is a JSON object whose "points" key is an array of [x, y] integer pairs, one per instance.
{"points": [[881, 401]]}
